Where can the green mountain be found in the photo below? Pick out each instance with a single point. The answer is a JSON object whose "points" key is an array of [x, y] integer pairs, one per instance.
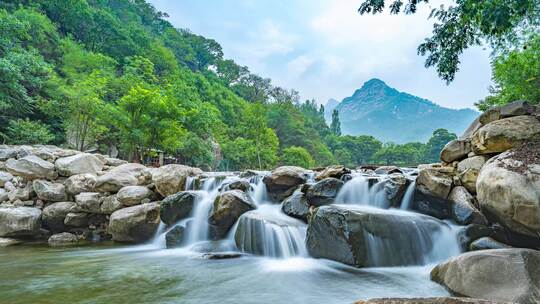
{"points": [[392, 116]]}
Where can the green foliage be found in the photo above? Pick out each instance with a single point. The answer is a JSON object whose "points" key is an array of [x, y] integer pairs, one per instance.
{"points": [[335, 126], [24, 131], [296, 156], [436, 143]]}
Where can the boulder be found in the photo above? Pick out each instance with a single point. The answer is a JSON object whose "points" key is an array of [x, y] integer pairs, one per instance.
{"points": [[470, 233], [134, 195], [53, 215], [110, 204], [456, 149], [7, 152], [323, 192], [506, 275], [387, 170], [227, 208], [445, 300], [296, 206], [114, 162], [48, 191], [505, 134], [76, 184], [282, 181], [19, 221], [124, 175], [21, 194], [3, 195], [239, 184], [485, 243], [365, 237], [221, 255], [31, 167], [76, 219], [435, 181], [175, 237], [516, 108], [63, 239], [134, 224], [81, 163], [509, 189], [171, 179], [473, 127], [6, 242], [178, 206], [4, 178], [468, 170], [395, 187], [332, 171], [463, 207], [88, 202]]}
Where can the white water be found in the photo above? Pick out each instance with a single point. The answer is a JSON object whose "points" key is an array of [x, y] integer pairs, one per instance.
{"points": [[408, 197], [198, 227]]}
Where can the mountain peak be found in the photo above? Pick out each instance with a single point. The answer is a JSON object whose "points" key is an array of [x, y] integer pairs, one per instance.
{"points": [[374, 83]]}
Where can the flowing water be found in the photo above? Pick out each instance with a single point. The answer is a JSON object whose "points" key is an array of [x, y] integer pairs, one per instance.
{"points": [[280, 271]]}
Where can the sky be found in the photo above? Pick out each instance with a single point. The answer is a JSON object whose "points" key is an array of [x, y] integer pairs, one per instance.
{"points": [[325, 49]]}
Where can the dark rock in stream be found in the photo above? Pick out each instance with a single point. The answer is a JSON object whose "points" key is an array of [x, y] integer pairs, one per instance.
{"points": [[221, 255], [175, 237], [296, 206], [227, 208], [323, 192], [178, 206]]}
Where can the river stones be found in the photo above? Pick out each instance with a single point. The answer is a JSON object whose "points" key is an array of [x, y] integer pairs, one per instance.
{"points": [[505, 134], [433, 185], [323, 192], [4, 178], [78, 183], [239, 184], [53, 215], [178, 206], [19, 221], [175, 237], [134, 195], [449, 300], [31, 167], [171, 179], [470, 233], [395, 187], [88, 202], [456, 149], [124, 175], [50, 192], [110, 204], [506, 275], [296, 206], [76, 219], [485, 243], [62, 239], [463, 207], [226, 210], [332, 171], [134, 224], [79, 164], [468, 170], [282, 182]]}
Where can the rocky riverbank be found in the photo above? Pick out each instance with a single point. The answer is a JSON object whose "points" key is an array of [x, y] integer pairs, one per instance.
{"points": [[488, 184]]}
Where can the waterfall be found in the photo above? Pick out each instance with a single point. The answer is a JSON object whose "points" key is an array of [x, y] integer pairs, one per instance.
{"points": [[355, 191], [190, 183], [198, 226], [408, 197]]}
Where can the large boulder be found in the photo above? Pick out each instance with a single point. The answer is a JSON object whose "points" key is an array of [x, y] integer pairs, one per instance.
{"points": [[76, 219], [227, 208], [455, 150], [53, 215], [505, 134], [516, 108], [296, 206], [282, 181], [332, 171], [395, 187], [364, 237], [433, 185], [4, 178], [445, 300], [134, 195], [88, 202], [178, 206], [62, 239], [110, 204], [464, 209], [171, 179], [134, 224], [175, 237], [323, 192], [21, 194], [468, 170], [50, 192], [506, 275], [31, 167], [79, 164], [509, 189], [76, 184], [20, 221], [124, 175]]}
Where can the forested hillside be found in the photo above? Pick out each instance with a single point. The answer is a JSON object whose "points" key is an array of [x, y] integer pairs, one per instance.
{"points": [[114, 73]]}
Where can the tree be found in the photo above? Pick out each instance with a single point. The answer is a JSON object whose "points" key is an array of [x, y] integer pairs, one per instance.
{"points": [[296, 156], [500, 23], [26, 132], [436, 143], [335, 126]]}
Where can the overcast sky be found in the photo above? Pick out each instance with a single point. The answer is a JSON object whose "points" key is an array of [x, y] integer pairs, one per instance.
{"points": [[325, 49]]}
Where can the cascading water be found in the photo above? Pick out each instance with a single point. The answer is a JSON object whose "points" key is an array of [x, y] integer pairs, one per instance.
{"points": [[408, 197], [357, 191]]}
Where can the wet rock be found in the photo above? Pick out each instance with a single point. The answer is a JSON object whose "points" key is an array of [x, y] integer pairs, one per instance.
{"points": [[282, 182], [6, 242], [110, 204], [435, 181], [457, 149], [76, 219], [395, 188], [63, 239], [509, 189], [4, 178], [53, 215], [80, 183], [88, 202], [239, 184], [433, 206], [323, 192], [448, 300], [171, 179], [387, 170], [485, 243], [134, 195], [3, 195], [79, 164], [464, 209], [178, 206], [134, 224], [227, 208], [221, 255], [121, 176], [505, 134], [19, 221], [468, 234], [478, 274], [332, 171], [296, 206], [468, 170], [48, 191], [175, 237], [114, 162], [31, 167]]}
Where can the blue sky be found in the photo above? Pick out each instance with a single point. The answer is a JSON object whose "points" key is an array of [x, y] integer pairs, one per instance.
{"points": [[325, 49]]}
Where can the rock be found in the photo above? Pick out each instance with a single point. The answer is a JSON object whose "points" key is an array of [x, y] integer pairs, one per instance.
{"points": [[332, 171], [473, 127], [175, 237], [509, 189], [63, 239], [221, 255], [134, 195], [395, 188], [282, 182], [6, 242], [485, 243], [76, 219], [456, 149], [4, 178], [365, 237], [7, 152], [505, 134], [3, 195], [449, 300], [53, 215], [31, 167], [79, 164], [463, 207], [19, 221], [171, 179], [296, 206], [110, 204], [21, 194], [114, 162], [88, 202], [435, 181], [468, 234], [323, 192], [50, 192], [134, 224], [516, 108], [468, 170], [499, 275], [489, 116], [121, 176], [228, 207], [387, 170], [239, 184], [76, 184], [178, 206]]}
